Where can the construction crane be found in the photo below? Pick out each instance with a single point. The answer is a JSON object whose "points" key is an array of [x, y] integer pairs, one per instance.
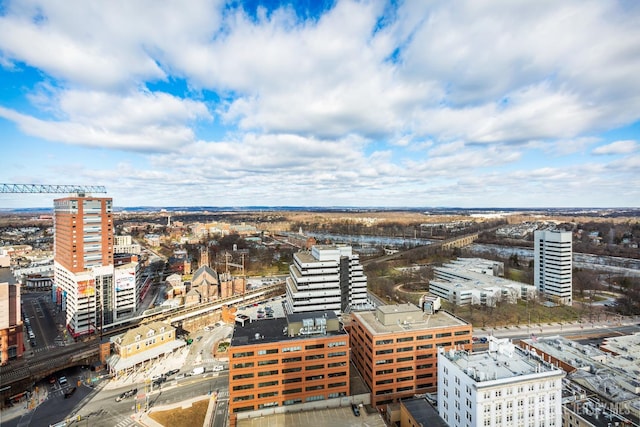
{"points": [[37, 188]]}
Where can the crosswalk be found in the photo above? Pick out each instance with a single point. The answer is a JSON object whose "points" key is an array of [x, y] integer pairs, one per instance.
{"points": [[107, 417], [126, 422], [45, 348]]}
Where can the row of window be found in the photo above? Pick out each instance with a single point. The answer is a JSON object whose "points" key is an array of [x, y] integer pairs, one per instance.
{"points": [[290, 370], [287, 392], [291, 349], [291, 401], [287, 360], [421, 337]]}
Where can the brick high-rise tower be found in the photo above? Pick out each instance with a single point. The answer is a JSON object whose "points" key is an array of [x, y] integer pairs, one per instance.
{"points": [[83, 260]]}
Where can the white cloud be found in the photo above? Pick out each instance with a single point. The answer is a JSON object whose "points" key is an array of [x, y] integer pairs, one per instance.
{"points": [[140, 121], [618, 147], [371, 100]]}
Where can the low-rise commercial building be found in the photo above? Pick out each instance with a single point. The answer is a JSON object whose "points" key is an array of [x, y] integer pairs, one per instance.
{"points": [[303, 357], [140, 345], [609, 375], [476, 281], [395, 348]]}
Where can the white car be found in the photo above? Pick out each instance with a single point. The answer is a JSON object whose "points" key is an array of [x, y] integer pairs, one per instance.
{"points": [[218, 368], [62, 381]]}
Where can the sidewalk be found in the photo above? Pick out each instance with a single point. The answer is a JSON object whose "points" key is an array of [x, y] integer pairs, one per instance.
{"points": [[144, 418], [24, 406]]}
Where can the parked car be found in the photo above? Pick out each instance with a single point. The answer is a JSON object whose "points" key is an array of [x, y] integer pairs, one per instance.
{"points": [[171, 372], [218, 368], [126, 394], [159, 381], [355, 409], [62, 381]]}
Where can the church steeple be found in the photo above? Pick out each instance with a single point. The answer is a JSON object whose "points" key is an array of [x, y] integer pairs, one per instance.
{"points": [[204, 256]]}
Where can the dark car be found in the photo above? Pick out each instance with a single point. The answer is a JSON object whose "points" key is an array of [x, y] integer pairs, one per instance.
{"points": [[126, 394], [160, 380], [69, 393], [355, 409], [171, 372]]}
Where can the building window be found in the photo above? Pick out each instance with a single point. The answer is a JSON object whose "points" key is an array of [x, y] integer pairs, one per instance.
{"points": [[334, 385], [242, 387], [313, 367], [268, 384], [313, 346], [268, 394], [244, 354], [268, 351], [243, 365], [241, 398], [404, 339]]}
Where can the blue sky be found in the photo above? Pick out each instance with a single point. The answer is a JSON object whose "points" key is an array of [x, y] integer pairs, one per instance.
{"points": [[337, 103]]}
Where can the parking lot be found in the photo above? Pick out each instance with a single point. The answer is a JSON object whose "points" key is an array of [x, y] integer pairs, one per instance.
{"points": [[270, 308], [331, 417]]}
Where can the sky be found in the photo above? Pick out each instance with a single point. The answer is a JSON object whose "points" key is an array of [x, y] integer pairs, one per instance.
{"points": [[323, 103]]}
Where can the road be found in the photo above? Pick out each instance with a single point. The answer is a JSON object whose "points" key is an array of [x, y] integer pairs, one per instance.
{"points": [[98, 407], [103, 411], [44, 322]]}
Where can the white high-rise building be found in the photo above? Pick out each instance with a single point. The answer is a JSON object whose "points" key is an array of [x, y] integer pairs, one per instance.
{"points": [[504, 386], [327, 278], [553, 265]]}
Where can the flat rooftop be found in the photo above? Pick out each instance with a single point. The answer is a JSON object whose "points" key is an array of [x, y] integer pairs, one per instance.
{"points": [[441, 319], [596, 370], [423, 412], [306, 257], [491, 365], [276, 330]]}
